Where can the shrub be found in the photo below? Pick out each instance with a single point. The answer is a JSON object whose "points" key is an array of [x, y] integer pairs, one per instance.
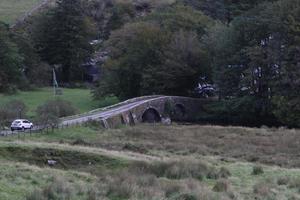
{"points": [[187, 189], [213, 174], [283, 180], [295, 183], [35, 195], [172, 189], [257, 170], [224, 173], [93, 124], [186, 197], [134, 148], [93, 194], [58, 189], [12, 110], [59, 107], [262, 189], [221, 186], [121, 187], [49, 113], [17, 107], [175, 169], [80, 141], [168, 108], [186, 169]]}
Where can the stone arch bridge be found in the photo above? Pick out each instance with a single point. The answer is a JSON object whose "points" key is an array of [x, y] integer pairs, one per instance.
{"points": [[148, 109]]}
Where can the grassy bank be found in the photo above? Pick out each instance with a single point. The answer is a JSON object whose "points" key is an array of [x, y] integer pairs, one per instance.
{"points": [[154, 163], [81, 99], [11, 10], [264, 145]]}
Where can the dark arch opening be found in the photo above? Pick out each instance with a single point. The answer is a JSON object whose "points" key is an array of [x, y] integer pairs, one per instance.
{"points": [[180, 111], [151, 115]]}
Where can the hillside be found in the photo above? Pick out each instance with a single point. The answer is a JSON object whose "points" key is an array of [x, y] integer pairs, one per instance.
{"points": [[11, 10], [153, 163]]}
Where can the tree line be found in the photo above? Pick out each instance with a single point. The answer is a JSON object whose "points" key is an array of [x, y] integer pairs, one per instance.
{"points": [[249, 50]]}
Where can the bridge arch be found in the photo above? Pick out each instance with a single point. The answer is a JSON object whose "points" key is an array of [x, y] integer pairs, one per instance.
{"points": [[151, 115]]}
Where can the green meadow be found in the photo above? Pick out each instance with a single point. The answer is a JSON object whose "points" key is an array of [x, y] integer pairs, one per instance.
{"points": [[11, 10], [81, 99]]}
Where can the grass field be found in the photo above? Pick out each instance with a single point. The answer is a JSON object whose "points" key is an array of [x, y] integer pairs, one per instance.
{"points": [[177, 162], [11, 10], [81, 99]]}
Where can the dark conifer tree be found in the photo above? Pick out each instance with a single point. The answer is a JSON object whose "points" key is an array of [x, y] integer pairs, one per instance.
{"points": [[10, 60], [63, 38]]}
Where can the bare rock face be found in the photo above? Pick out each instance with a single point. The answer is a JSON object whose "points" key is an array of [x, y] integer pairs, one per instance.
{"points": [[166, 121]]}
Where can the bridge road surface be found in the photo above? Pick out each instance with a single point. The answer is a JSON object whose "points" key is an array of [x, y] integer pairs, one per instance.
{"points": [[72, 120]]}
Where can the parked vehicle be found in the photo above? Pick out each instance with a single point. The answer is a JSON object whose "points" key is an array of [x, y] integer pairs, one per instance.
{"points": [[204, 90], [21, 124]]}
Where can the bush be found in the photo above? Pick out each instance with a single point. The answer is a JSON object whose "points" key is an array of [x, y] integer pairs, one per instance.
{"points": [[93, 194], [224, 173], [175, 169], [134, 148], [58, 189], [49, 113], [262, 189], [172, 189], [295, 183], [93, 124], [12, 110], [283, 180], [245, 111], [36, 195], [287, 110], [17, 107], [257, 170], [221, 186], [168, 109], [186, 197], [81, 142], [122, 187]]}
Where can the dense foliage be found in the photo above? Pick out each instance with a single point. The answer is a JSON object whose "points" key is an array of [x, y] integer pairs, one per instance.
{"points": [[160, 54], [256, 57], [62, 38], [10, 61]]}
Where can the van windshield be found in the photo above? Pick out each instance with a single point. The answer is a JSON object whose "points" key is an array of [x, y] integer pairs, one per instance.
{"points": [[17, 122]]}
